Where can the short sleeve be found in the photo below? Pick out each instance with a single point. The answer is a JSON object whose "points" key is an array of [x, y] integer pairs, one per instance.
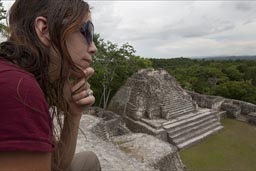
{"points": [[25, 121]]}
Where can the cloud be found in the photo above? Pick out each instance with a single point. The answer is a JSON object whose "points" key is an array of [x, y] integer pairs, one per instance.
{"points": [[188, 28], [104, 18], [185, 19], [243, 6], [178, 28], [238, 41]]}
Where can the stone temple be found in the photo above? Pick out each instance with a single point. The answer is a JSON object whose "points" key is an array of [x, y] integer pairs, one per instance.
{"points": [[153, 102]]}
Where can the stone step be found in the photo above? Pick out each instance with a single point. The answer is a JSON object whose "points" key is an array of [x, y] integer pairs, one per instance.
{"points": [[177, 107], [172, 91], [174, 118], [185, 119], [207, 119], [180, 113], [191, 122], [185, 116], [171, 109], [185, 132], [157, 123], [171, 104], [101, 131], [183, 103], [175, 100], [174, 96], [198, 138], [194, 134]]}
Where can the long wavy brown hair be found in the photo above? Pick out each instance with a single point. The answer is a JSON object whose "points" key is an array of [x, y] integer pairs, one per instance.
{"points": [[24, 48]]}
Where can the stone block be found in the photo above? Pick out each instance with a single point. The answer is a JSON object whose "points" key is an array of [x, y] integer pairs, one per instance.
{"points": [[232, 110], [252, 118]]}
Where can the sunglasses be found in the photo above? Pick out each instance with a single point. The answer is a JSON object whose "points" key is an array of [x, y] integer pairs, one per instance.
{"points": [[87, 31]]}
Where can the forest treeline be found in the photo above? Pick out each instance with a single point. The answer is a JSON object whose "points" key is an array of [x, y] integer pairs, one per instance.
{"points": [[235, 79], [113, 64]]}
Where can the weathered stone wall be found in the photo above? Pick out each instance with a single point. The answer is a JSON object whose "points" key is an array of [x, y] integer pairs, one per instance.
{"points": [[234, 108], [206, 101]]}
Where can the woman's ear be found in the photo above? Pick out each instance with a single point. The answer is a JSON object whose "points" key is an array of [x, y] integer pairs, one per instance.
{"points": [[42, 30]]}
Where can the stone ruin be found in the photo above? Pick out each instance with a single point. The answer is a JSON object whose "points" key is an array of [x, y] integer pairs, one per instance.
{"points": [[118, 149], [153, 102]]}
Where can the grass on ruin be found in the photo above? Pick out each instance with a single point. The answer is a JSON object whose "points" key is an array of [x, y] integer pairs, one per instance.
{"points": [[231, 149]]}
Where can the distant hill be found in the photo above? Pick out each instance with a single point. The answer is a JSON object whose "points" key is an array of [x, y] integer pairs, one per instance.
{"points": [[226, 58]]}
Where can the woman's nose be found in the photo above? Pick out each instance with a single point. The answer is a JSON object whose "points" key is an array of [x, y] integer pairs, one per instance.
{"points": [[92, 48]]}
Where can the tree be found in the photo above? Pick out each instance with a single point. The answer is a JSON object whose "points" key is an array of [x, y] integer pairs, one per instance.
{"points": [[249, 74], [113, 65], [233, 73], [3, 27], [240, 90]]}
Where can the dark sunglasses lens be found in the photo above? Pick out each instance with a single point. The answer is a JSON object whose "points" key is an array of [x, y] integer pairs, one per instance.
{"points": [[89, 34], [88, 30]]}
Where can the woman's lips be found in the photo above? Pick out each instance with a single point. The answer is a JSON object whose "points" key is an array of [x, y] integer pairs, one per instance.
{"points": [[85, 63], [88, 59]]}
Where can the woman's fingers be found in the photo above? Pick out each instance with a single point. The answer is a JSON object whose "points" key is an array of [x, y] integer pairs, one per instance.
{"points": [[88, 72], [89, 100], [78, 86], [82, 94]]}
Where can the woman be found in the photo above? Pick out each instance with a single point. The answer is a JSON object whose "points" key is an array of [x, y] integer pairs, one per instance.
{"points": [[45, 63]]}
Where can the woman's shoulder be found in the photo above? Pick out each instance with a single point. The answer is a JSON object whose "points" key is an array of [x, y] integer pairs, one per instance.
{"points": [[13, 75], [7, 68], [20, 85]]}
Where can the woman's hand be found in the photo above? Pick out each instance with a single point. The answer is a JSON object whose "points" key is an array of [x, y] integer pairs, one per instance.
{"points": [[78, 93]]}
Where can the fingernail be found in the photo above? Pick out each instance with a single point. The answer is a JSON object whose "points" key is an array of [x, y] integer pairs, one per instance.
{"points": [[85, 72]]}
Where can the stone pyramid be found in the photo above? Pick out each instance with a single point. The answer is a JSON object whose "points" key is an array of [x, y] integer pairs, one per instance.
{"points": [[153, 102]]}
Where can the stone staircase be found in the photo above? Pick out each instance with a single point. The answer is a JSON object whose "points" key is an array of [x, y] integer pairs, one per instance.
{"points": [[175, 105], [191, 127], [180, 109]]}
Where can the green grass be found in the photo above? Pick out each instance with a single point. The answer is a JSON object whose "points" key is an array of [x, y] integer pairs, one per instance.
{"points": [[232, 149]]}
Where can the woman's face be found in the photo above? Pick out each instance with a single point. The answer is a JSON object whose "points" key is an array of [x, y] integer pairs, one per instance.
{"points": [[79, 49]]}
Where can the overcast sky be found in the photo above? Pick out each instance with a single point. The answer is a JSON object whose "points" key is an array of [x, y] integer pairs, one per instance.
{"points": [[169, 29]]}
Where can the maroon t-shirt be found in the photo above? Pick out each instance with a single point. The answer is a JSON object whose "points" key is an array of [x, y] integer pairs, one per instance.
{"points": [[25, 122]]}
